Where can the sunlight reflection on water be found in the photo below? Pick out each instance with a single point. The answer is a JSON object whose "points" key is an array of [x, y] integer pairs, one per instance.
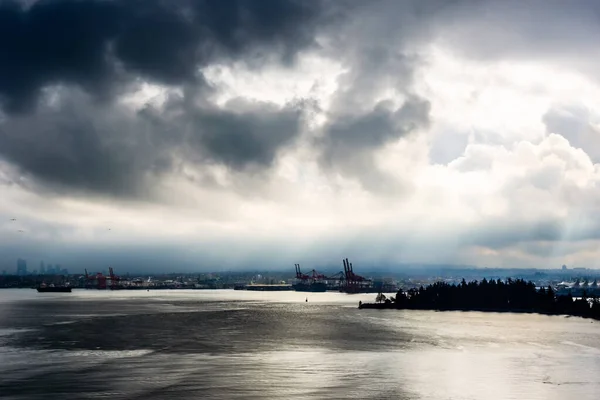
{"points": [[243, 345]]}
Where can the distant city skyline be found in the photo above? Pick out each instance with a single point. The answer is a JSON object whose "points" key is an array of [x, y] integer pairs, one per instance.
{"points": [[21, 268]]}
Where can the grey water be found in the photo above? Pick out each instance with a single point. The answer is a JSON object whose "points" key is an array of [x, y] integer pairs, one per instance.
{"points": [[252, 345]]}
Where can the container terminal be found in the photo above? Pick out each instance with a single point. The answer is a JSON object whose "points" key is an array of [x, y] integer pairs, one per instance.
{"points": [[579, 282], [345, 281]]}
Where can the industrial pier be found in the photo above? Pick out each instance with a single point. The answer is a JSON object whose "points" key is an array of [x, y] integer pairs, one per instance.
{"points": [[345, 281]]}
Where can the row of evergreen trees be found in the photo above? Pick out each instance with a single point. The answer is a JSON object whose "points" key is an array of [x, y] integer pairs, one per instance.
{"points": [[493, 295]]}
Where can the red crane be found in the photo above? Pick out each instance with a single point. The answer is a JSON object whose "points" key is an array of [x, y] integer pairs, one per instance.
{"points": [[99, 280], [114, 279], [317, 276], [299, 274], [353, 282]]}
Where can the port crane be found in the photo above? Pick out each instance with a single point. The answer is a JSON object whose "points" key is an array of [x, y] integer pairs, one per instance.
{"points": [[300, 275], [100, 281], [97, 280], [315, 276], [318, 276], [353, 282], [348, 280]]}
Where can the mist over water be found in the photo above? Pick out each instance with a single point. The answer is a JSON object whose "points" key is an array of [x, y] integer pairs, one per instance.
{"points": [[251, 345]]}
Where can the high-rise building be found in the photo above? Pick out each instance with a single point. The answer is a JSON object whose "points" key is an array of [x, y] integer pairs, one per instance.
{"points": [[42, 268], [21, 267]]}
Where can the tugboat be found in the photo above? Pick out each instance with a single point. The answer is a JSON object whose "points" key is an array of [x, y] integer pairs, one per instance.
{"points": [[43, 288]]}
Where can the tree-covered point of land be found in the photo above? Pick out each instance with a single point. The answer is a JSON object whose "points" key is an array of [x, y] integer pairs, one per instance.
{"points": [[493, 295]]}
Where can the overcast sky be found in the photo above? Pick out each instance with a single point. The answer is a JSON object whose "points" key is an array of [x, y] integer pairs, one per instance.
{"points": [[203, 135]]}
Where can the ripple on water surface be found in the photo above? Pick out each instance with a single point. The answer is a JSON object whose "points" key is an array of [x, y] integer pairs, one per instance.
{"points": [[229, 347]]}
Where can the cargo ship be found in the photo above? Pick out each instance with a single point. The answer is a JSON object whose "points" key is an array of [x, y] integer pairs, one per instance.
{"points": [[267, 287], [310, 287], [53, 289]]}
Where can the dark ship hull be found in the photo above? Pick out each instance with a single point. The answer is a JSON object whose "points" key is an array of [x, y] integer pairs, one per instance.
{"points": [[54, 290], [355, 290], [268, 288], [313, 287]]}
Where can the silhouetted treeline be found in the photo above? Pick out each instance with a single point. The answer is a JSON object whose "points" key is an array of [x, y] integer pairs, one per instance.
{"points": [[493, 295]]}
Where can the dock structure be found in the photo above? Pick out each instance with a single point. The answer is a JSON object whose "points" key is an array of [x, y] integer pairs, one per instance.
{"points": [[268, 287], [346, 281]]}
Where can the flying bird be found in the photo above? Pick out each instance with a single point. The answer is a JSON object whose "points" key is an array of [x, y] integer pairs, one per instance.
{"points": [[20, 230], [13, 219]]}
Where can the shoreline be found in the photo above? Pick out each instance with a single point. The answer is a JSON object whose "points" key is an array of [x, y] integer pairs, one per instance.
{"points": [[392, 306]]}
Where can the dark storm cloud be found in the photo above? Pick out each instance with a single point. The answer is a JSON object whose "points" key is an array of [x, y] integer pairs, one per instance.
{"points": [[80, 52], [349, 142], [81, 146], [111, 150], [93, 43], [253, 136]]}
